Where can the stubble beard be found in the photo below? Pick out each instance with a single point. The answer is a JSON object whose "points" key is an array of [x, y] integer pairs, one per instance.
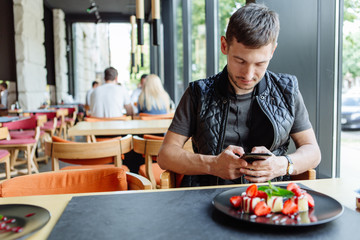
{"points": [[239, 87]]}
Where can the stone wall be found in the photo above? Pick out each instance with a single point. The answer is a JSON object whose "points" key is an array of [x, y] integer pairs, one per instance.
{"points": [[30, 52], [92, 55], [61, 69]]}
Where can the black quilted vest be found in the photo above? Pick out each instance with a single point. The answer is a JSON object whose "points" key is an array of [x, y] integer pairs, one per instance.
{"points": [[272, 116]]}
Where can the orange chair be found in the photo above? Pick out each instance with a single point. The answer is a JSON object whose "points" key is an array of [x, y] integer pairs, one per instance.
{"points": [[105, 154], [149, 146], [93, 138], [170, 179], [96, 119], [73, 181], [147, 116]]}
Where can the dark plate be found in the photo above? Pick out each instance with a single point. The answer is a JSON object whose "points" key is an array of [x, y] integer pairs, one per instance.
{"points": [[29, 217], [326, 209]]}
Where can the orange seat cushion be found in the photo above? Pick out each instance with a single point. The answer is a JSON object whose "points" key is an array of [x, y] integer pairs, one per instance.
{"points": [[157, 171], [126, 169], [65, 182], [107, 139], [153, 137]]}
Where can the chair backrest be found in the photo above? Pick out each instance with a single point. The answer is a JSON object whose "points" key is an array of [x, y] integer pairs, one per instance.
{"points": [[41, 120], [4, 133], [147, 116], [96, 119], [97, 153], [170, 179], [150, 148], [62, 112], [73, 181], [26, 123], [49, 115], [308, 175]]}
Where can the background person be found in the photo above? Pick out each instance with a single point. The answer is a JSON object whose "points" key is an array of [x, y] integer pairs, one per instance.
{"points": [[110, 99], [136, 93], [153, 98], [244, 108], [94, 85], [4, 95]]}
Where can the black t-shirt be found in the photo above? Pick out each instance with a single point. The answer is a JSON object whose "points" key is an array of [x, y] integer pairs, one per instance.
{"points": [[236, 129]]}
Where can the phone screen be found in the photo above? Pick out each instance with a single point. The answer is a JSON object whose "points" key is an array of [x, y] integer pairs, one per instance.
{"points": [[250, 157]]}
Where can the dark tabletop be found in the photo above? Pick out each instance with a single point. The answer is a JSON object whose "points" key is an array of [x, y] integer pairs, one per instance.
{"points": [[179, 215]]}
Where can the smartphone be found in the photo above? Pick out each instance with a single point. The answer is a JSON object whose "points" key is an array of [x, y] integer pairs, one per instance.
{"points": [[250, 157]]}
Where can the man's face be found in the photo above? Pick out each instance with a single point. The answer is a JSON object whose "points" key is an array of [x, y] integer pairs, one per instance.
{"points": [[246, 66]]}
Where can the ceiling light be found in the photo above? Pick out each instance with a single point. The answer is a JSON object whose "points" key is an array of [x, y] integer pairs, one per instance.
{"points": [[92, 8]]}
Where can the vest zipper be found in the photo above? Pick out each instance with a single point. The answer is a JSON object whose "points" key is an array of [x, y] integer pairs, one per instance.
{"points": [[275, 129]]}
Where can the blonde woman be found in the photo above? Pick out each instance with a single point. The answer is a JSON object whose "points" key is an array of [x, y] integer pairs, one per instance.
{"points": [[153, 98]]}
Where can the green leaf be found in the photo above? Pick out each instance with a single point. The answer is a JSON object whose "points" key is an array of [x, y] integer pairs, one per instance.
{"points": [[276, 191]]}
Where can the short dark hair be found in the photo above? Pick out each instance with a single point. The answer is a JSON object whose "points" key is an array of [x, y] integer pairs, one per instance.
{"points": [[253, 25], [4, 85], [143, 76], [110, 73], [94, 83]]}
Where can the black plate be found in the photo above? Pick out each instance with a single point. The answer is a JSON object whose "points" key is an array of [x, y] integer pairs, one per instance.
{"points": [[326, 209], [29, 217]]}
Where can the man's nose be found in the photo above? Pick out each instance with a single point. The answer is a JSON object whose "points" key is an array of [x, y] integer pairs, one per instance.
{"points": [[248, 72]]}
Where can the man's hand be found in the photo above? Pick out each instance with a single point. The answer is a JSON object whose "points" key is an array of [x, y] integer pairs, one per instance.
{"points": [[264, 170], [227, 164]]}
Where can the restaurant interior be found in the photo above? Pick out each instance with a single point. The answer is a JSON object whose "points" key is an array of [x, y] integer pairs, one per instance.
{"points": [[59, 165]]}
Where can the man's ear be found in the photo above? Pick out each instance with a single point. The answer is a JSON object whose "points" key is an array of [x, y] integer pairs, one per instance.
{"points": [[224, 45]]}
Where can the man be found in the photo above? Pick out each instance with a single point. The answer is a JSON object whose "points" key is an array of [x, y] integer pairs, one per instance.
{"points": [[109, 99], [136, 93], [244, 108], [95, 84], [4, 94]]}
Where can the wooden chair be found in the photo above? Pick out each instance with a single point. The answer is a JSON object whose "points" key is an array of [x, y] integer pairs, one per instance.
{"points": [[308, 175], [26, 134], [5, 155], [70, 121], [73, 181], [150, 149], [89, 155], [50, 125], [171, 180], [27, 144], [61, 125]]}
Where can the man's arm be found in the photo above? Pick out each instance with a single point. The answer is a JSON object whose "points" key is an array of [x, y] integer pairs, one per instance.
{"points": [[173, 157], [306, 156]]}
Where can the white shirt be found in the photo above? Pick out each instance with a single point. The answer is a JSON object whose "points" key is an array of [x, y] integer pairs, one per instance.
{"points": [[88, 94], [108, 100], [4, 96]]}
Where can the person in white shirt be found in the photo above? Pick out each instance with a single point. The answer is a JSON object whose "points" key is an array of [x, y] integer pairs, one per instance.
{"points": [[95, 84], [4, 95], [136, 93], [110, 99]]}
